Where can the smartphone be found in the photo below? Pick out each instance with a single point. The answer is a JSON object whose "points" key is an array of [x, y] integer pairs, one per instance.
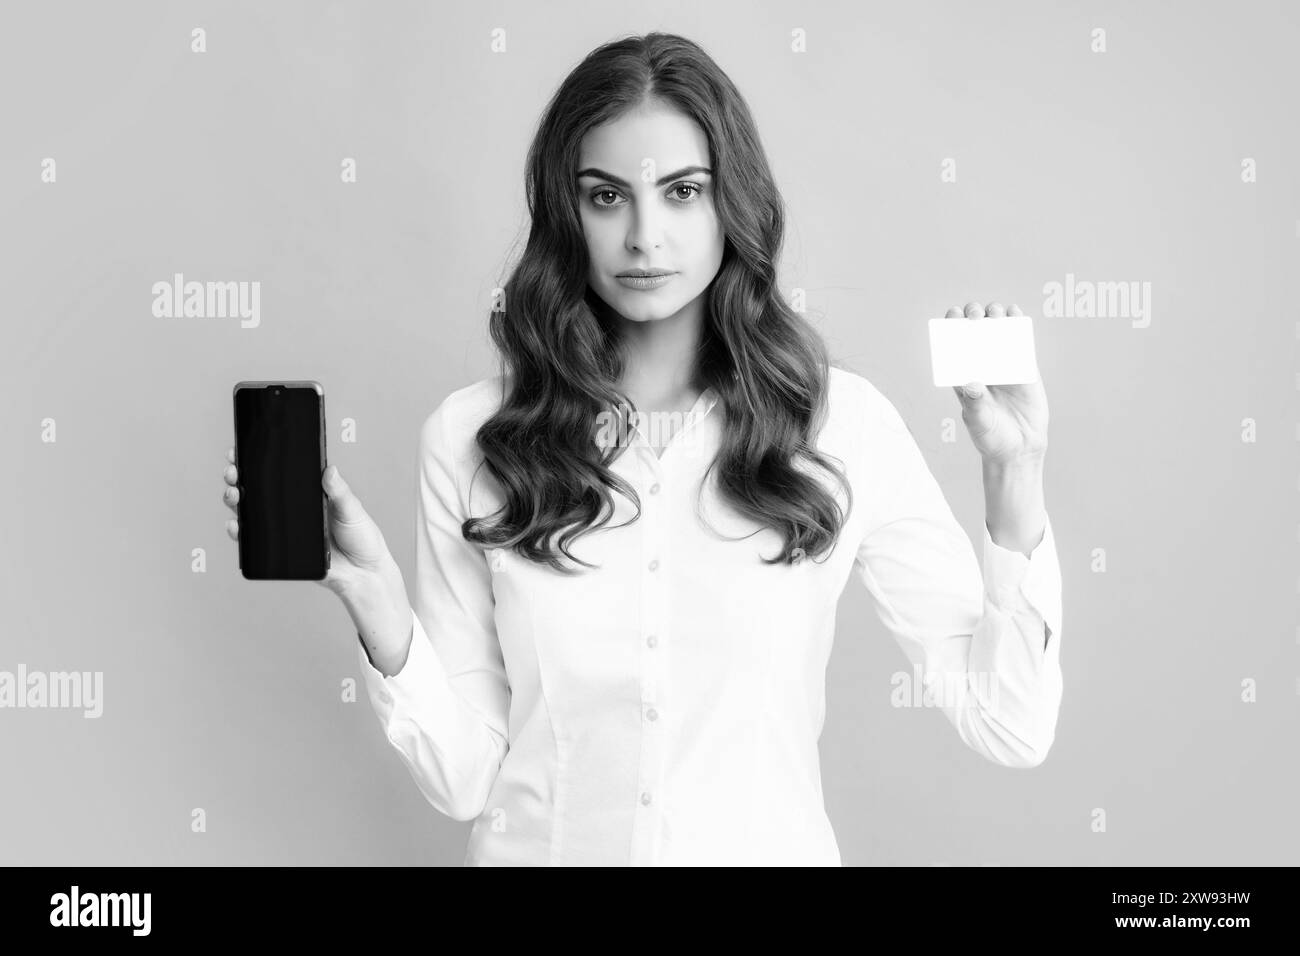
{"points": [[996, 351], [280, 455]]}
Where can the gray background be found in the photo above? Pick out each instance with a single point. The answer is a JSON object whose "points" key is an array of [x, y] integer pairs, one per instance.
{"points": [[225, 694]]}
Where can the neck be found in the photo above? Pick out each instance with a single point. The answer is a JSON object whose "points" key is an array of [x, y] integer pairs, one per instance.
{"points": [[662, 355]]}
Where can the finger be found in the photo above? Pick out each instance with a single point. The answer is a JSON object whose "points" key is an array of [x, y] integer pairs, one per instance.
{"points": [[334, 548], [953, 313], [996, 311], [333, 579], [974, 310], [1014, 310], [231, 496], [232, 528], [230, 454], [343, 504], [972, 394], [231, 474]]}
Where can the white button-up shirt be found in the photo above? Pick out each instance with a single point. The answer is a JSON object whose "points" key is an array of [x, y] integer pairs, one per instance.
{"points": [[666, 708]]}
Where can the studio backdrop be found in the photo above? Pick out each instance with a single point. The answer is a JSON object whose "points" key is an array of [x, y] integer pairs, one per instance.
{"points": [[1128, 174]]}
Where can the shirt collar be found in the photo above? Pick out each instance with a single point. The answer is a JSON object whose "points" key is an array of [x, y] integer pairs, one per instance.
{"points": [[707, 400], [698, 412]]}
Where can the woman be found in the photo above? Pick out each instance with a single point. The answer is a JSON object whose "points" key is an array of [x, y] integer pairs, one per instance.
{"points": [[632, 541]]}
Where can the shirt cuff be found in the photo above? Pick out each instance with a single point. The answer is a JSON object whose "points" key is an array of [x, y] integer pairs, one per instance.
{"points": [[420, 690], [1014, 582]]}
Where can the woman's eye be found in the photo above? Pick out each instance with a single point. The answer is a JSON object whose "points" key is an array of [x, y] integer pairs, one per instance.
{"points": [[691, 191]]}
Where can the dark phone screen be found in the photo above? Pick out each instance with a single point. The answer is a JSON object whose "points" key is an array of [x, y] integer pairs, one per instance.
{"points": [[279, 451]]}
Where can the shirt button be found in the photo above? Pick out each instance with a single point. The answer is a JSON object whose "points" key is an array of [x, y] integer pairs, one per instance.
{"points": [[645, 799], [652, 714], [651, 641], [654, 565], [654, 489]]}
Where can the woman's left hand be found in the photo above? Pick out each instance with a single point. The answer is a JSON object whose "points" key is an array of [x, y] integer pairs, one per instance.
{"points": [[1007, 423]]}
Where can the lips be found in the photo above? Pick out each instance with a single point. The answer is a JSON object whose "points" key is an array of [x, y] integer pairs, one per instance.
{"points": [[645, 283], [645, 273]]}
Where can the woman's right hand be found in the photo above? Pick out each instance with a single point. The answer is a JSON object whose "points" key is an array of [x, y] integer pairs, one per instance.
{"points": [[358, 552]]}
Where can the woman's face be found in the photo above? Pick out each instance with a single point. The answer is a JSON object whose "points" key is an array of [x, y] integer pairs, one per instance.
{"points": [[645, 195]]}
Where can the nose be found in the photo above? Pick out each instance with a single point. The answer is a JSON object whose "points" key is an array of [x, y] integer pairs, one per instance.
{"points": [[646, 230]]}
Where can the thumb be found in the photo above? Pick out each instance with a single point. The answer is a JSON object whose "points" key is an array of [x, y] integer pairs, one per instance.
{"points": [[979, 411], [344, 505]]}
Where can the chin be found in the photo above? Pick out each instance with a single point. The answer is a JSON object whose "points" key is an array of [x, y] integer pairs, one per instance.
{"points": [[638, 306], [647, 313]]}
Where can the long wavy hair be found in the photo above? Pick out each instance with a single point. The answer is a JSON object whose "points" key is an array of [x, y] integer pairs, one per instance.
{"points": [[562, 354]]}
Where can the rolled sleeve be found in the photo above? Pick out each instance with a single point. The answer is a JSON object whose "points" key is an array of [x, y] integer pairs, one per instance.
{"points": [[1015, 582]]}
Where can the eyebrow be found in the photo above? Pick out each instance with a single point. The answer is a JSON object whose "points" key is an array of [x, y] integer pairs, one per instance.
{"points": [[684, 171]]}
